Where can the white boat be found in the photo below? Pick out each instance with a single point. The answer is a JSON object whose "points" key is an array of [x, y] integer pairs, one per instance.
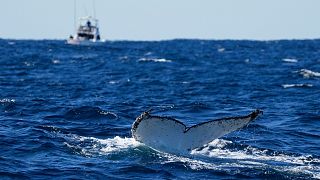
{"points": [[87, 32]]}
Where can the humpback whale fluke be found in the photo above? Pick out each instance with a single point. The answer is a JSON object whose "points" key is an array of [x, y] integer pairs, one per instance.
{"points": [[170, 135]]}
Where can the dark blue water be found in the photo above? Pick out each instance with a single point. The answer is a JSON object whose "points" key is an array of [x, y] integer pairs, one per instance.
{"points": [[66, 111]]}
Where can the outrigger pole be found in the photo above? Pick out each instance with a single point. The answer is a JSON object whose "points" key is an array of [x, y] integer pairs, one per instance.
{"points": [[75, 15]]}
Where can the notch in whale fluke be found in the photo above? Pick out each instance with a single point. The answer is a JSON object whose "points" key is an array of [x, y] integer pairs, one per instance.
{"points": [[170, 135]]}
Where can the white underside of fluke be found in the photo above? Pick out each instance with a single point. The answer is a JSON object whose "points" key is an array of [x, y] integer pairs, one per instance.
{"points": [[172, 136]]}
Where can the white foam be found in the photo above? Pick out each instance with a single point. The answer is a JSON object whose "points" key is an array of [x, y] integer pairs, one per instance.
{"points": [[156, 60], [117, 144], [221, 49], [205, 158], [108, 113], [55, 61], [290, 60], [254, 157], [296, 85], [27, 63], [192, 163], [215, 149], [6, 100], [113, 82], [100, 146], [123, 57], [308, 73]]}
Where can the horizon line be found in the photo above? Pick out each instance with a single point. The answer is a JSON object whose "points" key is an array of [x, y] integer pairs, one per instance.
{"points": [[169, 39]]}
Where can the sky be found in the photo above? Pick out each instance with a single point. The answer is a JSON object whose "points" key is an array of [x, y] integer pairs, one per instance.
{"points": [[164, 19]]}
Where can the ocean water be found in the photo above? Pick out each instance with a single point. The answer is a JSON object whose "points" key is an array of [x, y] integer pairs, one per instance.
{"points": [[66, 111]]}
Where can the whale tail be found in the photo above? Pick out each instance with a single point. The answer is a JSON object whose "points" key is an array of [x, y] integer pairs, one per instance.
{"points": [[170, 135]]}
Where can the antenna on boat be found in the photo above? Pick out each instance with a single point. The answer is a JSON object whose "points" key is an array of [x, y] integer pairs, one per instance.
{"points": [[94, 8], [75, 15]]}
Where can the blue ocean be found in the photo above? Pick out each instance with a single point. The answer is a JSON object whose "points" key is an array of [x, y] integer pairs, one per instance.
{"points": [[66, 111]]}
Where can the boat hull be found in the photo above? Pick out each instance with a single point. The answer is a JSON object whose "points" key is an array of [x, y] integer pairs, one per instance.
{"points": [[84, 42]]}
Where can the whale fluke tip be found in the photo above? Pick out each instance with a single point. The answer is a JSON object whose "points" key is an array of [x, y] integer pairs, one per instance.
{"points": [[256, 113]]}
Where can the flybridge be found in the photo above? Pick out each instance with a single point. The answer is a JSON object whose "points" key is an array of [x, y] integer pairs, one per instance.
{"points": [[87, 31]]}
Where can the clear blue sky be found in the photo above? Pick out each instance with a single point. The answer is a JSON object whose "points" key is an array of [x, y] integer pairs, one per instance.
{"points": [[165, 19]]}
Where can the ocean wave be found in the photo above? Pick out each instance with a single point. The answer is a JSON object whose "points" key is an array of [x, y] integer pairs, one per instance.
{"points": [[208, 157], [221, 49], [255, 158], [290, 60], [84, 113], [162, 60], [56, 61], [7, 104], [217, 149], [113, 82], [6, 100], [91, 146], [86, 56], [44, 124], [88, 112], [308, 73], [297, 85]]}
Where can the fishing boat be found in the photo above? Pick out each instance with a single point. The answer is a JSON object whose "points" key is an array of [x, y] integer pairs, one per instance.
{"points": [[87, 31]]}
